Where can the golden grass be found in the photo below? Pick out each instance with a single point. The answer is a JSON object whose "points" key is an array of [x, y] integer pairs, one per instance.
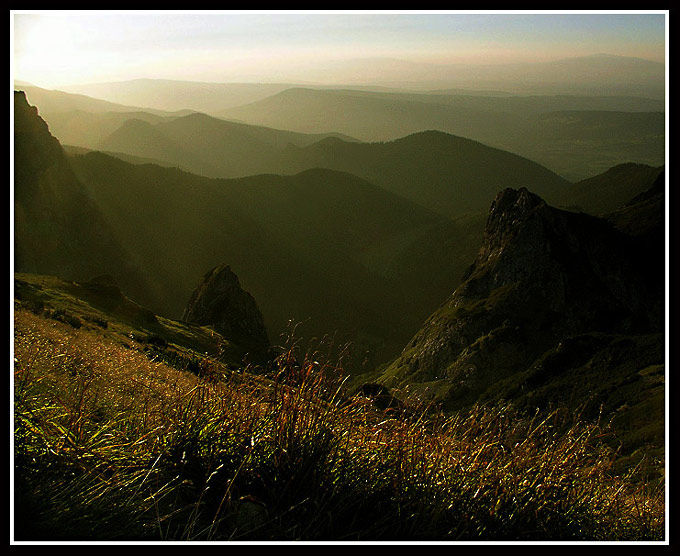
{"points": [[110, 444]]}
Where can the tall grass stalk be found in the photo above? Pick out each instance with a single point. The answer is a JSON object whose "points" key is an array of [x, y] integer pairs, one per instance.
{"points": [[112, 446]]}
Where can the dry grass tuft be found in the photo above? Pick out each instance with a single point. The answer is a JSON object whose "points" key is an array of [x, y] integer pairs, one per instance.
{"points": [[112, 445]]}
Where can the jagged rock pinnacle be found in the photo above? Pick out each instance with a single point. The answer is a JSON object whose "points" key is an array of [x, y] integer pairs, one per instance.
{"points": [[220, 302]]}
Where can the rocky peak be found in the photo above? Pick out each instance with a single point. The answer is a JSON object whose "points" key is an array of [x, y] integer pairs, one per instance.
{"points": [[220, 302], [512, 212], [541, 274], [511, 206]]}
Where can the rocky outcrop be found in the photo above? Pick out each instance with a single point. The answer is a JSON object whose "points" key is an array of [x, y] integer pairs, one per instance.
{"points": [[541, 275], [220, 302]]}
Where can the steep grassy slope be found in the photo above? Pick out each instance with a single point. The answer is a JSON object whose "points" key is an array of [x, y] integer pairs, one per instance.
{"points": [[121, 437], [99, 307]]}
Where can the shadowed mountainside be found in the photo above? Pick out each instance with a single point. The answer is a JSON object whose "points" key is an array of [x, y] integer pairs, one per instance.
{"points": [[322, 247], [205, 145], [58, 227], [541, 274], [339, 251], [612, 189], [448, 174], [558, 308]]}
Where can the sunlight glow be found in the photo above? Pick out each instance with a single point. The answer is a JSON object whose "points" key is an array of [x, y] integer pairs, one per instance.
{"points": [[62, 48]]}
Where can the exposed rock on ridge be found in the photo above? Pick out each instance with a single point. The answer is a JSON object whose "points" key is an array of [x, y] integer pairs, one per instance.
{"points": [[541, 275], [220, 302]]}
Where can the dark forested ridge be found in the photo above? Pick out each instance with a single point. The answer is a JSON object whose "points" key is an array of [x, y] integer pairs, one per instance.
{"points": [[576, 136]]}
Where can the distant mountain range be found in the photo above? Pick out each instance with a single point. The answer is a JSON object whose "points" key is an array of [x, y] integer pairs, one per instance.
{"points": [[448, 174], [52, 101], [207, 146], [575, 136], [87, 122], [598, 74], [376, 116], [612, 189]]}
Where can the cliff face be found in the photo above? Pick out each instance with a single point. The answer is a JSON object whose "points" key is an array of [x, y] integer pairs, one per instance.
{"points": [[541, 275], [58, 227], [220, 302]]}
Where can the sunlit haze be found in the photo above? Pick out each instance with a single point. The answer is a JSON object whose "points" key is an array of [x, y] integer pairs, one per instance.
{"points": [[53, 49]]}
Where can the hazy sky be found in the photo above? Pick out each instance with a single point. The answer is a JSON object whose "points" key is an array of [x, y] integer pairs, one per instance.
{"points": [[63, 48]]}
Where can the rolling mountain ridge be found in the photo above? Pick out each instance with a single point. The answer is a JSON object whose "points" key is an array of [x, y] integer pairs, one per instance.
{"points": [[576, 147]]}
